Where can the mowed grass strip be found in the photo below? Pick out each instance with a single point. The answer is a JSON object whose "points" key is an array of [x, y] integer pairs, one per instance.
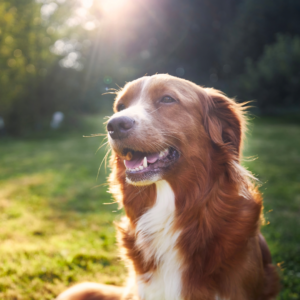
{"points": [[56, 229]]}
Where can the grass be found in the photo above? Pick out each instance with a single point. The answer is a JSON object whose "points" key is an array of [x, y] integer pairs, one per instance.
{"points": [[276, 144], [57, 230]]}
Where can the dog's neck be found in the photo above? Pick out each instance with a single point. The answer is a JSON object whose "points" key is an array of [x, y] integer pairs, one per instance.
{"points": [[174, 226], [157, 239], [157, 222]]}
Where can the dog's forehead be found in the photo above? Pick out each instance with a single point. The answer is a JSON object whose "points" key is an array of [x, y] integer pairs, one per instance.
{"points": [[131, 91], [153, 87]]}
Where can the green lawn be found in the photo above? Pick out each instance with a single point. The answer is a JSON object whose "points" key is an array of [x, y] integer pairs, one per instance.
{"points": [[275, 143], [57, 230]]}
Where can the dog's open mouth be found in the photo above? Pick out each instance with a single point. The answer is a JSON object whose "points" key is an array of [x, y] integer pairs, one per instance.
{"points": [[140, 165]]}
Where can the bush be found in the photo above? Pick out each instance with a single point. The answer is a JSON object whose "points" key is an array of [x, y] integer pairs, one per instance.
{"points": [[273, 81]]}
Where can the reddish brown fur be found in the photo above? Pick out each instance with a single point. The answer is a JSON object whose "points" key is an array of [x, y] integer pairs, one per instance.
{"points": [[218, 209]]}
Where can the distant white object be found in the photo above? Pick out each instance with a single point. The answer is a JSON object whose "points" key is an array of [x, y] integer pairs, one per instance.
{"points": [[57, 119], [1, 123]]}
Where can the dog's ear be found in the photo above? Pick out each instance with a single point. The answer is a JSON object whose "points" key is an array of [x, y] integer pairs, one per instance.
{"points": [[224, 121]]}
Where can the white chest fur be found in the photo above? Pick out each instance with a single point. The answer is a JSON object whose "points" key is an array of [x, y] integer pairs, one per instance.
{"points": [[157, 239]]}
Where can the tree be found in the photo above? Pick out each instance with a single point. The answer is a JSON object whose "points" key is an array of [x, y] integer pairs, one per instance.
{"points": [[256, 25], [274, 79]]}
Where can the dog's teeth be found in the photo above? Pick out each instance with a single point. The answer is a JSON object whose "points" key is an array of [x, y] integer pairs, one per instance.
{"points": [[141, 167], [145, 165], [161, 153]]}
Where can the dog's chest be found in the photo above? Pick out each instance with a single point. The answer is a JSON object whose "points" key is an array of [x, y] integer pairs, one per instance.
{"points": [[157, 240]]}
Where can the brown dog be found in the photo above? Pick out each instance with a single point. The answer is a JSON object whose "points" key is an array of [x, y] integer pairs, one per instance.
{"points": [[192, 221]]}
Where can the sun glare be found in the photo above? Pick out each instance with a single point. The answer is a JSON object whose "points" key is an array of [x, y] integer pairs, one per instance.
{"points": [[112, 5], [87, 3], [107, 5]]}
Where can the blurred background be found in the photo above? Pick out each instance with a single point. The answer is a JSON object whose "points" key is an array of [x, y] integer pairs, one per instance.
{"points": [[63, 55], [59, 59]]}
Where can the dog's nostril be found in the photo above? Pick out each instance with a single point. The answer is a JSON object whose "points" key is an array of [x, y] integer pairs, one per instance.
{"points": [[110, 127], [119, 127]]}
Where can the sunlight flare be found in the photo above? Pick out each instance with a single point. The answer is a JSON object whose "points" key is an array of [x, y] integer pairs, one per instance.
{"points": [[108, 6], [87, 3], [112, 5]]}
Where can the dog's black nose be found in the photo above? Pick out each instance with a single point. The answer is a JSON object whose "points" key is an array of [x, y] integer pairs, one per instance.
{"points": [[120, 127]]}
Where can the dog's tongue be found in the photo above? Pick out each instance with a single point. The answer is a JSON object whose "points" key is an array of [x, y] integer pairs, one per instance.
{"points": [[152, 158], [138, 157], [134, 162]]}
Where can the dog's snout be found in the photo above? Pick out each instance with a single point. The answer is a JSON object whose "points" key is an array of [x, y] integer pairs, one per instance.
{"points": [[120, 127]]}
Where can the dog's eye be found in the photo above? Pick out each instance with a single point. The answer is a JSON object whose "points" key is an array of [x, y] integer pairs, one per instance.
{"points": [[167, 99], [120, 107]]}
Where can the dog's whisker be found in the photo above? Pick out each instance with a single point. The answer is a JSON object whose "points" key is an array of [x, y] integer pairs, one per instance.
{"points": [[95, 135], [107, 153], [154, 111], [99, 185], [102, 146], [106, 120], [106, 157]]}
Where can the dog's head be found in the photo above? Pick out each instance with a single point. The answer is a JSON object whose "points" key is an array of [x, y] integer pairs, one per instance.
{"points": [[164, 126]]}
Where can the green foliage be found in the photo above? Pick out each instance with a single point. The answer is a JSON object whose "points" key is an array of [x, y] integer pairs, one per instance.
{"points": [[66, 59], [274, 79], [256, 25], [57, 229], [34, 81], [24, 62]]}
